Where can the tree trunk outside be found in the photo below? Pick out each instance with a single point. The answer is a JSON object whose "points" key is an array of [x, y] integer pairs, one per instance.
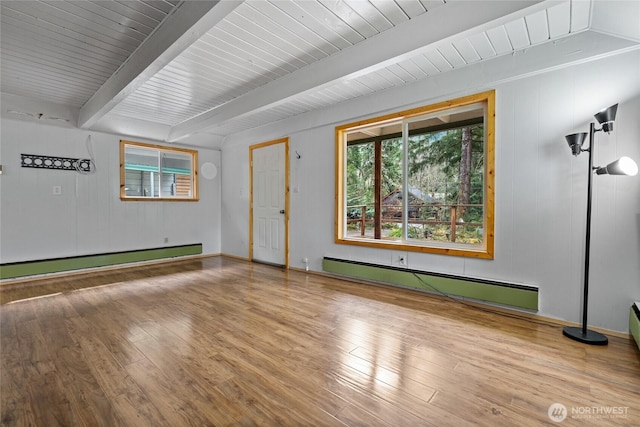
{"points": [[465, 171]]}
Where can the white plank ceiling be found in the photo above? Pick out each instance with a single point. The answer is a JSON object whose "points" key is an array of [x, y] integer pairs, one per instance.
{"points": [[223, 67], [64, 51]]}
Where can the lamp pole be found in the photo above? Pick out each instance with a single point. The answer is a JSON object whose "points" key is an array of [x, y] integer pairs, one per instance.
{"points": [[587, 244], [583, 334]]}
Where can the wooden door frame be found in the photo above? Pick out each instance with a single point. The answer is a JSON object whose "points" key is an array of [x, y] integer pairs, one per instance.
{"points": [[284, 141]]}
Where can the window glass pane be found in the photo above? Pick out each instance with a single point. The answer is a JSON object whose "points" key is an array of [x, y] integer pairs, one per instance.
{"points": [[176, 171], [133, 182], [176, 163], [360, 184], [182, 185], [365, 218], [446, 169], [391, 189], [137, 158], [140, 165]]}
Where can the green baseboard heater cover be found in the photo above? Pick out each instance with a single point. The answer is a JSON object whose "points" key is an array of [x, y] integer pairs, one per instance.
{"points": [[57, 265], [634, 322], [510, 294]]}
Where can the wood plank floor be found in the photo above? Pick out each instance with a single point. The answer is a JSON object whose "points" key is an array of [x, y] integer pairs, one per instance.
{"points": [[221, 342]]}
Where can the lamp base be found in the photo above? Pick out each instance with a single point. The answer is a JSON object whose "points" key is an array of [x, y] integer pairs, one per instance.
{"points": [[591, 337]]}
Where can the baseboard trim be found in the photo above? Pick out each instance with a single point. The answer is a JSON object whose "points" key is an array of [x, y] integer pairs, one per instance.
{"points": [[239, 258]]}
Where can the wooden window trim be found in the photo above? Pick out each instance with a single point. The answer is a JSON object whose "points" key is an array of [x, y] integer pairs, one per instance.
{"points": [[487, 252]]}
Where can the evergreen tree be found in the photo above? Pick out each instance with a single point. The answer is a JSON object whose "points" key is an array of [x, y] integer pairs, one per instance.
{"points": [[458, 153]]}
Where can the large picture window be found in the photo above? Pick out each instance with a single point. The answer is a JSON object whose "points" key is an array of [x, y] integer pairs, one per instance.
{"points": [[419, 180], [154, 172]]}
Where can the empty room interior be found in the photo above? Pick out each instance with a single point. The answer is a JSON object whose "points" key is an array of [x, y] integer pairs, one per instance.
{"points": [[320, 213]]}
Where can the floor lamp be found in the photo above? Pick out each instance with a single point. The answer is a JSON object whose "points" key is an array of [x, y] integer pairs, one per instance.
{"points": [[622, 166]]}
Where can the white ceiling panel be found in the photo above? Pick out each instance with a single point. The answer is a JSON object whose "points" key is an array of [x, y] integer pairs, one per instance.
{"points": [[410, 7], [439, 61], [559, 17], [22, 36], [452, 55], [401, 73], [311, 24], [414, 70], [259, 29], [217, 51], [63, 51], [335, 30], [482, 45], [243, 123], [350, 17], [374, 82], [537, 27], [500, 40], [329, 95], [103, 31], [466, 51], [608, 19], [50, 53], [302, 104], [224, 67], [391, 10], [431, 5], [581, 15], [389, 75], [425, 65], [517, 33], [370, 14]]}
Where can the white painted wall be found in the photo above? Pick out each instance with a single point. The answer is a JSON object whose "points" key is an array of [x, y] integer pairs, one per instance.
{"points": [[540, 187], [89, 217]]}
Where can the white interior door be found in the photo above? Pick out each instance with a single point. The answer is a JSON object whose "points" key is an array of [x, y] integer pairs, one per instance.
{"points": [[269, 200]]}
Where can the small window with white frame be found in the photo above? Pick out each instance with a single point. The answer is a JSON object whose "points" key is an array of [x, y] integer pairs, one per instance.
{"points": [[150, 172]]}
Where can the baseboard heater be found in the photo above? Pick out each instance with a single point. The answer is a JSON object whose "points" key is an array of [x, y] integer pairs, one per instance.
{"points": [[510, 294], [57, 265], [634, 322]]}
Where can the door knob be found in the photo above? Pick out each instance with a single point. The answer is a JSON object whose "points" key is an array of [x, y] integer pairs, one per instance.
{"points": [[282, 211]]}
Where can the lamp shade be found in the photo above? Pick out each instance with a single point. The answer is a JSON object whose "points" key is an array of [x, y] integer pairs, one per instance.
{"points": [[623, 166], [575, 141], [606, 117]]}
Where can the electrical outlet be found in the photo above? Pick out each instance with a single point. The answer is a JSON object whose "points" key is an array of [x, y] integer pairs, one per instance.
{"points": [[57, 190], [166, 240], [399, 259]]}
